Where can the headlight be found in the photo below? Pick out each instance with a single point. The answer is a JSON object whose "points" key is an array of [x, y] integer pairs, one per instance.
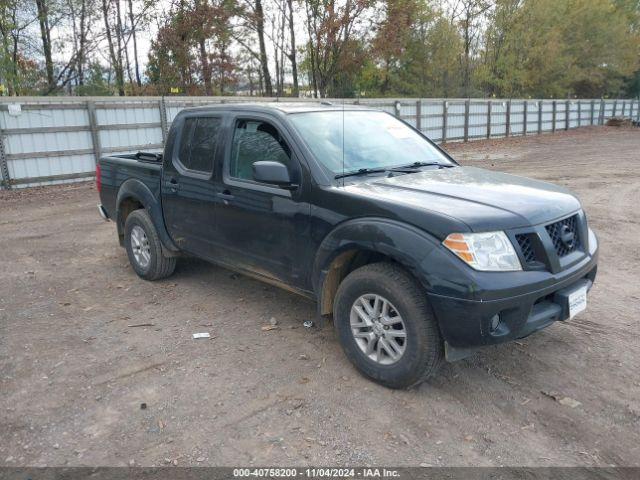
{"points": [[490, 251]]}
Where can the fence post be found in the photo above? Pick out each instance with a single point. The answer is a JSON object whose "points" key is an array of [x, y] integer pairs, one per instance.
{"points": [[489, 106], [553, 117], [445, 114], [163, 118], [593, 106], [540, 107], [615, 107], [466, 120], [567, 114], [579, 113], [624, 107], [95, 135], [419, 115], [524, 124], [601, 112], [4, 169], [638, 111], [631, 109], [507, 129]]}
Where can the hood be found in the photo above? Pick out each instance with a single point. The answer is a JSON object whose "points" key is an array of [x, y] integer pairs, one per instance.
{"points": [[482, 199]]}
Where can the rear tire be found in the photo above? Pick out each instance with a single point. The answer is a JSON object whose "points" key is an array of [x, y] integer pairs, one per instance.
{"points": [[144, 248], [386, 327]]}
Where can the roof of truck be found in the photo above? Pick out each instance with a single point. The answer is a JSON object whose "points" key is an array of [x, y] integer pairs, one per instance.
{"points": [[284, 107]]}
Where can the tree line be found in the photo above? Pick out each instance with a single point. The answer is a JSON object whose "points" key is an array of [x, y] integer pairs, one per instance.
{"points": [[321, 48]]}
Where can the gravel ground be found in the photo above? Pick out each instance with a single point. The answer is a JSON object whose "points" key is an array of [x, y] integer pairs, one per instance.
{"points": [[80, 386]]}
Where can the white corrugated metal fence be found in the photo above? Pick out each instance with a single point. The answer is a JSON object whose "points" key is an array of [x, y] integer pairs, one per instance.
{"points": [[58, 139]]}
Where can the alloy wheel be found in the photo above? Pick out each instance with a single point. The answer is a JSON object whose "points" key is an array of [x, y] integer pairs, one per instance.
{"points": [[378, 329]]}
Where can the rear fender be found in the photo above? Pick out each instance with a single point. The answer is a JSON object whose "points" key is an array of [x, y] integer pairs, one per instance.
{"points": [[137, 190]]}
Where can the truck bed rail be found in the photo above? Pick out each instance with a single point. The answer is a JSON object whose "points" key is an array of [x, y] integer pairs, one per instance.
{"points": [[149, 157]]}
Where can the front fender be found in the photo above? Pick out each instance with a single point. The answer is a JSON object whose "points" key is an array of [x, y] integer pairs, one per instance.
{"points": [[422, 254], [404, 243], [137, 190]]}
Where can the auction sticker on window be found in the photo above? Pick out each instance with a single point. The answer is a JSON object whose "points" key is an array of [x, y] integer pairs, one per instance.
{"points": [[577, 301]]}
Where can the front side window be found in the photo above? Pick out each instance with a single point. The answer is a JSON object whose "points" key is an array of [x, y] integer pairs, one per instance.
{"points": [[254, 141], [198, 144], [351, 140]]}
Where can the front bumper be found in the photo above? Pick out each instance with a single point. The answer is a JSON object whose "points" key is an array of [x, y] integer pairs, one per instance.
{"points": [[467, 324]]}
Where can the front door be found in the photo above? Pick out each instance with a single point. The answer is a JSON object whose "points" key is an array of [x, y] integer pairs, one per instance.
{"points": [[262, 228], [188, 196]]}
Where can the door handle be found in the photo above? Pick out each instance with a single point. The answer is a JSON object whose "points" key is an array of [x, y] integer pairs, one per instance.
{"points": [[172, 184], [225, 195]]}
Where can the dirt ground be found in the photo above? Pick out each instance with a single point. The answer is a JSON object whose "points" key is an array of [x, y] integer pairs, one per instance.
{"points": [[74, 373]]}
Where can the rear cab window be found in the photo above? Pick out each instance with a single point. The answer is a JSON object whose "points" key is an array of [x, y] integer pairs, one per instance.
{"points": [[198, 143]]}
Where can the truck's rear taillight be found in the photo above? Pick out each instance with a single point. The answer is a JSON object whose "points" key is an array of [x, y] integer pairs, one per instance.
{"points": [[98, 178]]}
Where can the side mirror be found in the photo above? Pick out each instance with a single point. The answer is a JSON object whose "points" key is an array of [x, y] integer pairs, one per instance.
{"points": [[275, 173]]}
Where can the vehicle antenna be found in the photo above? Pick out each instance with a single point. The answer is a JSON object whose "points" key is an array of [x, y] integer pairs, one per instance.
{"points": [[343, 142]]}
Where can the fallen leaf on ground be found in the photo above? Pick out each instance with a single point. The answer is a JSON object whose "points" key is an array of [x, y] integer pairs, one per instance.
{"points": [[561, 399], [569, 402]]}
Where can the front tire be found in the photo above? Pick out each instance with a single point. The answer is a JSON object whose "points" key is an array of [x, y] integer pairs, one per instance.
{"points": [[144, 248], [386, 327]]}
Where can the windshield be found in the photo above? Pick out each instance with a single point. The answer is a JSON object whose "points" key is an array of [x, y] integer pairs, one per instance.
{"points": [[371, 140]]}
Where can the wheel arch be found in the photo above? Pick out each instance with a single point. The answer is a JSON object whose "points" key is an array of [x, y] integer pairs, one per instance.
{"points": [[134, 195], [358, 242]]}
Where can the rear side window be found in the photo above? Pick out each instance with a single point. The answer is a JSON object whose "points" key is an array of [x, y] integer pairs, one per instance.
{"points": [[198, 143]]}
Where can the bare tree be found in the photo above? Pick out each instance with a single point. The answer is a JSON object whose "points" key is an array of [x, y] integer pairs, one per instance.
{"points": [[264, 61], [133, 25], [253, 15], [469, 14], [45, 34], [202, 32], [114, 56], [278, 21], [292, 51]]}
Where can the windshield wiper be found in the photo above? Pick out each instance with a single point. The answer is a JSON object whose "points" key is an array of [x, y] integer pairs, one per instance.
{"points": [[400, 168], [415, 165], [361, 171]]}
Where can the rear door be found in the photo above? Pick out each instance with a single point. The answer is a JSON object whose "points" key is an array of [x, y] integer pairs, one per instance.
{"points": [[188, 196]]}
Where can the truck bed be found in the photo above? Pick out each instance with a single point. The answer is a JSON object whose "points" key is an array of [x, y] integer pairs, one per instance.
{"points": [[116, 169]]}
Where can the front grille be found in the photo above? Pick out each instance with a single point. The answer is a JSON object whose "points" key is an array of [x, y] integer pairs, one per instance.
{"points": [[526, 247], [564, 235]]}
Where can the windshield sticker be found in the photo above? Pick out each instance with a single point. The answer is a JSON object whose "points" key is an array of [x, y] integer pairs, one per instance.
{"points": [[399, 131]]}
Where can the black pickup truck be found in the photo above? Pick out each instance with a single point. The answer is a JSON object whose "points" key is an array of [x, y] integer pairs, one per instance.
{"points": [[415, 257]]}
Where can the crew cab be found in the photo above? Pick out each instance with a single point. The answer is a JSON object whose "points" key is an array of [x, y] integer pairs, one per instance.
{"points": [[416, 258]]}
